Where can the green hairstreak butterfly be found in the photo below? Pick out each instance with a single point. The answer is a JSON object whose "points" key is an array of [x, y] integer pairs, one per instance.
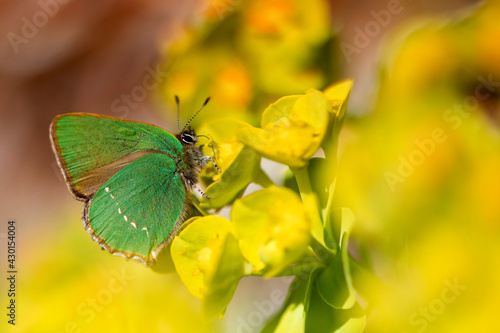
{"points": [[134, 178]]}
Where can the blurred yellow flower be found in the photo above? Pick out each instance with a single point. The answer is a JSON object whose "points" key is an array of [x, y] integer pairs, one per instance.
{"points": [[485, 39], [425, 57], [269, 17], [272, 226], [280, 38], [232, 86]]}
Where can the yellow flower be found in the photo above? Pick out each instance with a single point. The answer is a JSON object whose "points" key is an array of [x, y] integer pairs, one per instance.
{"points": [[292, 129], [196, 251], [209, 262], [240, 165], [272, 226]]}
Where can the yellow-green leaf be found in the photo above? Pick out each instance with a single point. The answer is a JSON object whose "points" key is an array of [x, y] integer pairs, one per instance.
{"points": [[233, 181], [321, 318], [335, 282], [292, 317]]}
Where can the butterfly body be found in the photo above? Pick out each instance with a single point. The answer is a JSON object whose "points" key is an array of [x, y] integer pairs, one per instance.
{"points": [[133, 177]]}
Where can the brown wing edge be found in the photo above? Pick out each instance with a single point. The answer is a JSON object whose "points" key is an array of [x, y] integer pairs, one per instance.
{"points": [[57, 151]]}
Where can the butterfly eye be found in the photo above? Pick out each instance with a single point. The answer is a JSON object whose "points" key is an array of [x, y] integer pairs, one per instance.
{"points": [[188, 138]]}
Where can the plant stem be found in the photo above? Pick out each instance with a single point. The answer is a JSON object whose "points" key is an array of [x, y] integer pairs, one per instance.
{"points": [[263, 179], [300, 269], [303, 181]]}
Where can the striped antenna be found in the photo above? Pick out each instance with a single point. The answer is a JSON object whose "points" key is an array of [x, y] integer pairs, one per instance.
{"points": [[189, 121], [178, 103]]}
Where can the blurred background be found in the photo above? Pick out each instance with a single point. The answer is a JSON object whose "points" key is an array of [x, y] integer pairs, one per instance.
{"points": [[419, 158]]}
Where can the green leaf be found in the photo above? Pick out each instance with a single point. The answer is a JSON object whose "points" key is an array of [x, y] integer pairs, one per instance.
{"points": [[321, 318], [291, 319], [233, 181], [335, 282], [290, 182], [223, 283]]}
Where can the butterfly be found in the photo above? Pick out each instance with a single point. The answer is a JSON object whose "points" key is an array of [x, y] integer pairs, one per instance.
{"points": [[135, 178]]}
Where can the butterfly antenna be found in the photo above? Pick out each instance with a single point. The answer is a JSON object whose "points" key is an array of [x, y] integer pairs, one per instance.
{"points": [[178, 103], [189, 121]]}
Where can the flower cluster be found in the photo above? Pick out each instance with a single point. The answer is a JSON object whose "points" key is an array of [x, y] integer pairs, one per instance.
{"points": [[276, 231]]}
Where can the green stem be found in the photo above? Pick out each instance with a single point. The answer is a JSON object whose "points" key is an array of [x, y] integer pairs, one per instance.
{"points": [[263, 179], [300, 269], [303, 181], [326, 211]]}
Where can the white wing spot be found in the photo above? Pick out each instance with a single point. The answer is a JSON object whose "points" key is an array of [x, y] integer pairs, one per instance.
{"points": [[133, 224], [145, 229], [125, 218], [106, 189], [119, 210]]}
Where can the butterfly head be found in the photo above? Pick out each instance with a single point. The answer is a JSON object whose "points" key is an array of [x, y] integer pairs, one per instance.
{"points": [[188, 137]]}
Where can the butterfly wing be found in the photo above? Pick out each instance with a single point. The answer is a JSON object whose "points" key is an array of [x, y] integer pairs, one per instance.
{"points": [[90, 148], [138, 209]]}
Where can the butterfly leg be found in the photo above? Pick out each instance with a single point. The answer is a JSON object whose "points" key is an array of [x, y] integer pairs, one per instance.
{"points": [[210, 158], [193, 185]]}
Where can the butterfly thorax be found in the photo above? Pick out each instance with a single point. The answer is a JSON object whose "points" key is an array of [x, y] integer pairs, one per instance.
{"points": [[193, 158]]}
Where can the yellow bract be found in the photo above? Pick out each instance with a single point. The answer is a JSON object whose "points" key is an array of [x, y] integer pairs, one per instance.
{"points": [[240, 165], [196, 252], [338, 94], [272, 226], [227, 145], [292, 129]]}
